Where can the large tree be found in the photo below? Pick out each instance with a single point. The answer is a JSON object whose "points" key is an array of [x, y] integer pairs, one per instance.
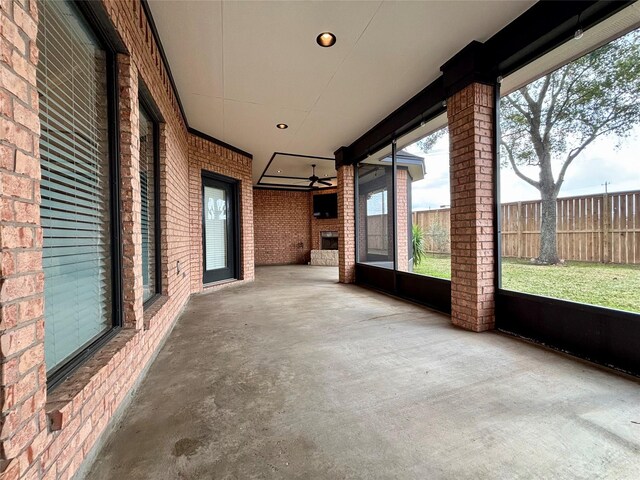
{"points": [[549, 122]]}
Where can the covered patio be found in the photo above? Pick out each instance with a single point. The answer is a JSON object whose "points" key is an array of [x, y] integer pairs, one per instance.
{"points": [[319, 239]]}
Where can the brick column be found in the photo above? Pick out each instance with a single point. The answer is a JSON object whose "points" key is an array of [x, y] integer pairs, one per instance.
{"points": [[164, 212], [246, 218], [470, 116], [346, 228], [389, 219], [22, 369], [403, 186], [131, 206]]}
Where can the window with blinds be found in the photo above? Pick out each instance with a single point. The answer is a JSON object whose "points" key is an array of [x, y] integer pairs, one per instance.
{"points": [[148, 176], [75, 210]]}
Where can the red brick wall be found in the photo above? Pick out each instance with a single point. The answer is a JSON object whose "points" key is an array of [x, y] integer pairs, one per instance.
{"points": [[282, 222], [470, 115], [49, 434], [285, 229], [22, 372], [319, 225]]}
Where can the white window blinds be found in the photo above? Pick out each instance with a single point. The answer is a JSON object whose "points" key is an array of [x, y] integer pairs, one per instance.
{"points": [[147, 197], [72, 86], [215, 227]]}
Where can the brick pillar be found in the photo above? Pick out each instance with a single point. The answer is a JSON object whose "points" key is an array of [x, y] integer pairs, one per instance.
{"points": [[346, 228], [470, 115], [22, 369], [389, 216], [131, 206], [164, 212], [247, 227], [403, 185]]}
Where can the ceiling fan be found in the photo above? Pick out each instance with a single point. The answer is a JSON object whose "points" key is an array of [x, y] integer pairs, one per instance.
{"points": [[315, 179]]}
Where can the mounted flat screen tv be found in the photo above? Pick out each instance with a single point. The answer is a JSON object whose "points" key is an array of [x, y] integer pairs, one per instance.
{"points": [[325, 205]]}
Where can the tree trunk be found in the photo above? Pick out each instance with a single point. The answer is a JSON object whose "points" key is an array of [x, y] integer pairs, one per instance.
{"points": [[548, 242]]}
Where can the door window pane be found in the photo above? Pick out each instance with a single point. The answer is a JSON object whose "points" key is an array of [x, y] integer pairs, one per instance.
{"points": [[215, 208], [75, 213]]}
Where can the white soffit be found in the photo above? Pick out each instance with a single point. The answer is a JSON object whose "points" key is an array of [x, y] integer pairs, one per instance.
{"points": [[615, 26], [242, 67]]}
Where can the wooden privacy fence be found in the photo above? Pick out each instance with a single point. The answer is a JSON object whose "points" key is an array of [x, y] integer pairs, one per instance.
{"points": [[377, 233], [592, 228], [436, 225]]}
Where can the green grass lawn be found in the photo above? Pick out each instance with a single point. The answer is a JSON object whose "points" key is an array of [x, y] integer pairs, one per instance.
{"points": [[435, 265], [613, 286]]}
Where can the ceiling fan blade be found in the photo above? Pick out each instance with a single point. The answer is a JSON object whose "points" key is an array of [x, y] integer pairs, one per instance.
{"points": [[325, 183], [312, 183]]}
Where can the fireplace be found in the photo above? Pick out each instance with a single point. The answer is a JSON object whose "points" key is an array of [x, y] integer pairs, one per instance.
{"points": [[328, 253], [329, 240]]}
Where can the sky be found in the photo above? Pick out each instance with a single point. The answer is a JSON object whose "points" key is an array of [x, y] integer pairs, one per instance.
{"points": [[600, 162]]}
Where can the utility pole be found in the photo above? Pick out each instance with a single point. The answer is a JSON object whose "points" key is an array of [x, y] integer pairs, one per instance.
{"points": [[606, 185]]}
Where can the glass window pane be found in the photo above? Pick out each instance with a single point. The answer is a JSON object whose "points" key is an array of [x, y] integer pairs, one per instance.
{"points": [[423, 197], [375, 210], [215, 228], [72, 88], [570, 181], [147, 194]]}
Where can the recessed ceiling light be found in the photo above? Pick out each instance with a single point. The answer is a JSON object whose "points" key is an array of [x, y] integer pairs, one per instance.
{"points": [[282, 126], [279, 171], [326, 39]]}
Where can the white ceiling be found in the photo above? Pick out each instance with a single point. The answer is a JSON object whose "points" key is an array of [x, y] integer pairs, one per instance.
{"points": [[241, 67]]}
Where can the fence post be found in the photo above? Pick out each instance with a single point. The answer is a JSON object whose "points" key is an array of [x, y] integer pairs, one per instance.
{"points": [[606, 229], [519, 237]]}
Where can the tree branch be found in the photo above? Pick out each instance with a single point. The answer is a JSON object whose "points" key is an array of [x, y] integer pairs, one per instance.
{"points": [[512, 161], [543, 90], [568, 99], [518, 108], [572, 156], [555, 93], [535, 107]]}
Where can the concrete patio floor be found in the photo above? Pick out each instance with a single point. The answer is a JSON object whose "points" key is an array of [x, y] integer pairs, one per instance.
{"points": [[296, 376]]}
